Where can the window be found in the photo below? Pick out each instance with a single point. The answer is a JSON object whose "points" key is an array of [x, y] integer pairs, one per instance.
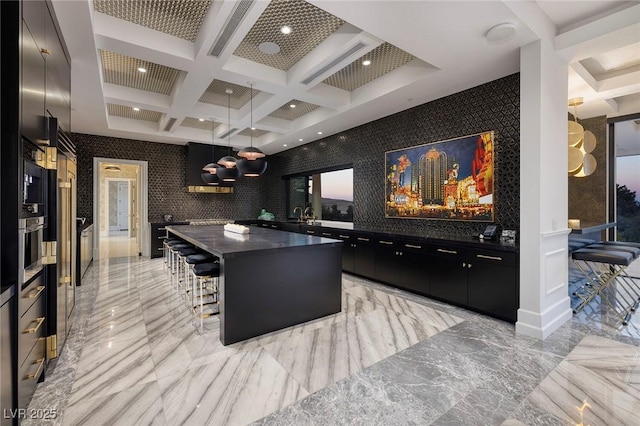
{"points": [[329, 193]]}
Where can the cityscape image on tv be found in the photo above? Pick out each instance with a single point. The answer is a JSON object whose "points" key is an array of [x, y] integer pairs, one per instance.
{"points": [[451, 179]]}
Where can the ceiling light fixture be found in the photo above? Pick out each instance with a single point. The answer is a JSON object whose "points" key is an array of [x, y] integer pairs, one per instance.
{"points": [[210, 174], [285, 29], [366, 62], [300, 140], [581, 144], [319, 133], [252, 163], [200, 119], [136, 109], [229, 172], [284, 144], [501, 33], [142, 69], [292, 106]]}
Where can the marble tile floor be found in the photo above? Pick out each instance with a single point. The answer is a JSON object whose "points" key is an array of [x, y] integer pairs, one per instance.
{"points": [[389, 357], [117, 246]]}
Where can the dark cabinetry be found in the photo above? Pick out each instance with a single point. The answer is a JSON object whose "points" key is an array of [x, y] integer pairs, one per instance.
{"points": [[448, 273], [31, 340], [493, 283], [33, 87], [158, 235], [461, 273]]}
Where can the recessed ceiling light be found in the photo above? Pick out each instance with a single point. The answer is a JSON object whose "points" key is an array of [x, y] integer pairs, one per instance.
{"points": [[200, 119], [142, 69], [285, 29], [292, 105], [284, 144], [136, 109], [253, 128], [300, 140], [366, 62], [269, 48], [319, 133]]}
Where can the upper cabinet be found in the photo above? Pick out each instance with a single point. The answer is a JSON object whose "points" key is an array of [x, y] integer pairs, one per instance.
{"points": [[46, 73]]}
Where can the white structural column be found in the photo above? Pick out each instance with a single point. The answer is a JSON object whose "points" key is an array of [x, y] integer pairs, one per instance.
{"points": [[544, 300]]}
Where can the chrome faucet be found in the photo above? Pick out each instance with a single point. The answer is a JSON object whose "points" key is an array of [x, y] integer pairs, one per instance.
{"points": [[308, 215], [299, 215]]}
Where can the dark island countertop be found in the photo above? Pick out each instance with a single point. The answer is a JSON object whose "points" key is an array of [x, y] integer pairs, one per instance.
{"points": [[214, 239]]}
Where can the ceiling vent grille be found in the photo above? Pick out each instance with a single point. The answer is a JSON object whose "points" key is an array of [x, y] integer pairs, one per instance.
{"points": [[230, 27], [169, 125], [333, 63], [225, 134]]}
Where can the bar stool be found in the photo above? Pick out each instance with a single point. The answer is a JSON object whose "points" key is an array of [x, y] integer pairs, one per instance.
{"points": [[189, 262], [206, 276], [173, 254], [602, 269], [166, 244], [179, 262]]}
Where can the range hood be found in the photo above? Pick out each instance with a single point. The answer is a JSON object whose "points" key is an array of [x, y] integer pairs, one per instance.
{"points": [[199, 154]]}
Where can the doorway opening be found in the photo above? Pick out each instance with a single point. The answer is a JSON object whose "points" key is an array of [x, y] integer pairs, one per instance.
{"points": [[120, 207]]}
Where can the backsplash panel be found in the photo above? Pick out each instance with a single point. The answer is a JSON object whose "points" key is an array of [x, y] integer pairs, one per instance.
{"points": [[492, 106], [167, 181]]}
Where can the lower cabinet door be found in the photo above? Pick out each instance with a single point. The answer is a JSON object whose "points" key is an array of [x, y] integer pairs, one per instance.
{"points": [[448, 277], [387, 263], [493, 289], [414, 272], [30, 372], [364, 257]]}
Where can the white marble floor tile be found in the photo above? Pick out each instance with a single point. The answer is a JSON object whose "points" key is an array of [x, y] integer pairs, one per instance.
{"points": [[109, 367], [612, 397], [235, 390], [138, 405]]}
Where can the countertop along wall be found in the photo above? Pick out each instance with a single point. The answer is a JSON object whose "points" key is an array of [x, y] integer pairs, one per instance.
{"points": [[167, 181], [491, 106]]}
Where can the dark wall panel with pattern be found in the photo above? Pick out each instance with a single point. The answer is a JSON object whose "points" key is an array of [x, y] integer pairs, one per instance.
{"points": [[167, 181], [492, 106]]}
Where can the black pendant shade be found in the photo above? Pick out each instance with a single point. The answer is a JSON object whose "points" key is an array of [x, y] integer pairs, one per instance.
{"points": [[210, 179], [228, 174], [212, 168], [227, 161], [251, 153], [251, 168]]}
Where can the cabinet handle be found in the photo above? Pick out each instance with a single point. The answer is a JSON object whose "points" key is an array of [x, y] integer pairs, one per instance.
{"points": [[45, 51], [400, 253], [464, 265], [447, 251], [162, 238], [311, 232], [343, 236], [412, 246], [32, 330], [40, 363], [35, 292], [469, 265], [386, 242], [160, 248], [162, 229], [362, 239], [326, 234], [483, 256]]}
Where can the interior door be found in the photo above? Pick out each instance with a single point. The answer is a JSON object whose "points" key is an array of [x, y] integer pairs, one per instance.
{"points": [[122, 205]]}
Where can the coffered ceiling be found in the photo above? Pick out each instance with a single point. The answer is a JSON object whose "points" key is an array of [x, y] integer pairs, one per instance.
{"points": [[174, 60]]}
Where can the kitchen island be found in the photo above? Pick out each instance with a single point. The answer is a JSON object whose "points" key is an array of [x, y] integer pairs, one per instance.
{"points": [[269, 279]]}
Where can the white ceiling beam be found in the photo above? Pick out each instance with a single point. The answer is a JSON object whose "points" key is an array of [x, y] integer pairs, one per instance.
{"points": [[122, 95], [611, 32], [127, 38], [533, 17]]}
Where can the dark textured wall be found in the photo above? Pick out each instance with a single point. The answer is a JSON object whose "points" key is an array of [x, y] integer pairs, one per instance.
{"points": [[492, 106], [588, 195], [167, 181]]}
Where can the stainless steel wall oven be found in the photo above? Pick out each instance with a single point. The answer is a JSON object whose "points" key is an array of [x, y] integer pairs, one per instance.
{"points": [[30, 248]]}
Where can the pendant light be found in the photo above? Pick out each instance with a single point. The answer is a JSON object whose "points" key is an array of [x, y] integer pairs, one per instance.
{"points": [[209, 176], [229, 172], [253, 163]]}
